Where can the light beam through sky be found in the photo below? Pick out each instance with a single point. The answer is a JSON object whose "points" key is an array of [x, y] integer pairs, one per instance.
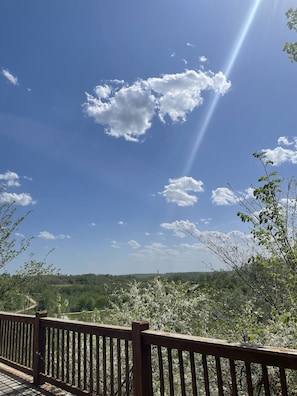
{"points": [[228, 68]]}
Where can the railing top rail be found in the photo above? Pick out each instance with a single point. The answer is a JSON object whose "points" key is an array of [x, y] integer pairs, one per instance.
{"points": [[270, 356], [88, 328], [17, 317]]}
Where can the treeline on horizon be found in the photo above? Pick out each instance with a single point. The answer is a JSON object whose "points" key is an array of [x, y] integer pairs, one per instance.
{"points": [[87, 292]]}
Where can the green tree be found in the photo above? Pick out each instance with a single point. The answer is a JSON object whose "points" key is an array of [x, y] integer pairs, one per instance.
{"points": [[291, 48], [13, 288]]}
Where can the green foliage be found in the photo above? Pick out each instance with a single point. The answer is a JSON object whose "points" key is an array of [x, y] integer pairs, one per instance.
{"points": [[272, 272], [291, 48], [13, 289]]}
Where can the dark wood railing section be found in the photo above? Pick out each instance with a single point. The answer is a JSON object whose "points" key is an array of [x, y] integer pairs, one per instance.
{"points": [[92, 359]]}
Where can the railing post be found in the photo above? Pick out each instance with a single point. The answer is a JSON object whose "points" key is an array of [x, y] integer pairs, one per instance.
{"points": [[39, 347], [142, 367]]}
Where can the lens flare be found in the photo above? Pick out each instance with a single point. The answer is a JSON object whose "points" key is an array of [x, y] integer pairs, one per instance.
{"points": [[228, 68]]}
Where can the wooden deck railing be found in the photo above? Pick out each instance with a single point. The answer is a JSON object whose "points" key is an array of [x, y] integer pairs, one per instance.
{"points": [[93, 359]]}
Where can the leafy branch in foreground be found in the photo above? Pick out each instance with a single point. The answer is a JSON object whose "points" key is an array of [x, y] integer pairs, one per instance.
{"points": [[13, 288], [291, 48]]}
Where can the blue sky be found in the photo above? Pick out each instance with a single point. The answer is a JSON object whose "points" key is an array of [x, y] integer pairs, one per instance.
{"points": [[122, 121]]}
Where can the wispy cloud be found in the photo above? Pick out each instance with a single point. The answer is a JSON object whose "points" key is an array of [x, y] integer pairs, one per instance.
{"points": [[134, 244], [177, 191], [128, 110], [115, 245], [181, 228], [202, 58], [225, 196], [50, 236], [10, 77]]}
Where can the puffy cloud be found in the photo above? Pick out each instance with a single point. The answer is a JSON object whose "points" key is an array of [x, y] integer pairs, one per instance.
{"points": [[22, 199], [11, 178], [134, 244], [128, 111], [203, 59], [284, 140], [49, 235], [10, 77], [177, 190], [279, 154]]}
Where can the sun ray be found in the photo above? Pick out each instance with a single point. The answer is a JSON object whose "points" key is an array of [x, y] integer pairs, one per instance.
{"points": [[228, 69]]}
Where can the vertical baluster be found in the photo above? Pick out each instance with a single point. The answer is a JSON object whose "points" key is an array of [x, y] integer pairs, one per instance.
{"points": [[22, 350], [79, 359], [67, 356], [30, 344], [170, 371], [161, 371], [91, 363], [233, 378], [85, 386], [48, 351], [97, 365], [181, 372], [265, 380], [26, 336], [53, 353], [219, 376], [193, 374], [119, 368], [63, 355], [283, 379], [58, 353], [127, 364], [104, 366], [249, 378], [17, 343], [205, 375], [73, 382], [111, 367]]}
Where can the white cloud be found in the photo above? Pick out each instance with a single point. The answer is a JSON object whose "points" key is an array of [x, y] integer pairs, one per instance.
{"points": [[177, 190], [10, 77], [202, 58], [115, 245], [49, 236], [22, 199], [92, 224], [134, 244], [279, 155], [128, 111], [11, 178], [190, 45], [284, 140], [223, 196], [181, 228], [120, 222]]}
